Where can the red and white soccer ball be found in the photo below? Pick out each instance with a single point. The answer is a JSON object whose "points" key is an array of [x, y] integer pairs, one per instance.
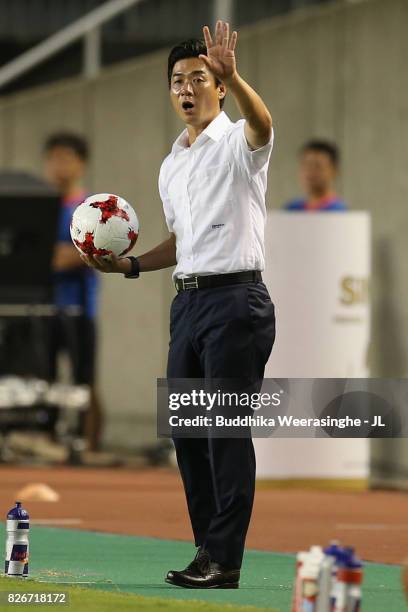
{"points": [[104, 224]]}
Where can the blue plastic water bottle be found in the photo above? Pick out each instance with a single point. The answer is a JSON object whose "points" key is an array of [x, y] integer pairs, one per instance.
{"points": [[335, 551], [17, 547]]}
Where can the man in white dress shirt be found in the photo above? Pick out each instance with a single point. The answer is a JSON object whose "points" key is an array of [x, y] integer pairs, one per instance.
{"points": [[222, 326]]}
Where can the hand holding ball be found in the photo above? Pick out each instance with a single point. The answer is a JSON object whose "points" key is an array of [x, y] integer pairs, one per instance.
{"points": [[103, 228]]}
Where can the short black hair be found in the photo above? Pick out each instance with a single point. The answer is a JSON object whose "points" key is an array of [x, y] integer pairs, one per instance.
{"points": [[193, 47], [323, 146], [69, 140]]}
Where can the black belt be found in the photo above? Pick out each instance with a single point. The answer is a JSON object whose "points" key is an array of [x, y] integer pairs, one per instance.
{"points": [[217, 280]]}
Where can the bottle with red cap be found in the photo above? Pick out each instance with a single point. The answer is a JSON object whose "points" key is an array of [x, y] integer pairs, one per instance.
{"points": [[349, 579], [17, 547], [301, 557], [309, 574]]}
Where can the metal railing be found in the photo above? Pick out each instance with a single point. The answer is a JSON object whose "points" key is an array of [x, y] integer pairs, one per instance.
{"points": [[87, 27]]}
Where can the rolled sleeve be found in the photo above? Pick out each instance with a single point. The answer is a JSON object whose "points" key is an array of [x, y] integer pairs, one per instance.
{"points": [[252, 160]]}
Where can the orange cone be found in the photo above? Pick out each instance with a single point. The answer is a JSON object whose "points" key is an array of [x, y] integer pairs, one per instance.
{"points": [[37, 492]]}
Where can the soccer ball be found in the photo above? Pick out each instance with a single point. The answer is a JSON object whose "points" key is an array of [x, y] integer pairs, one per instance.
{"points": [[104, 224]]}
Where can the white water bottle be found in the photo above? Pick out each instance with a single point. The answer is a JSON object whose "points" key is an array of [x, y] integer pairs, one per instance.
{"points": [[17, 547], [325, 584], [297, 586], [309, 574]]}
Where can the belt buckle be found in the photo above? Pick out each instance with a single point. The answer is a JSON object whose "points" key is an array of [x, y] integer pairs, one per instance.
{"points": [[189, 283]]}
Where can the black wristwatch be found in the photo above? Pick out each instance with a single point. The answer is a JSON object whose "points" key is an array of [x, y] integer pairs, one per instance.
{"points": [[135, 268]]}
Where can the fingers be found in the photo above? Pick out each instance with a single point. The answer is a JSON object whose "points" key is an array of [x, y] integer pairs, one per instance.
{"points": [[218, 32], [98, 263], [205, 60], [104, 265], [233, 41], [221, 36], [87, 260], [207, 37], [225, 34]]}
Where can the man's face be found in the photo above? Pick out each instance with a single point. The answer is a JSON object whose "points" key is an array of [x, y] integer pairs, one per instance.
{"points": [[317, 172], [193, 92], [63, 167]]}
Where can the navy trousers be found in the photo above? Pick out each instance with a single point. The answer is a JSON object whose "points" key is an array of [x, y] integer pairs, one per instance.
{"points": [[223, 332]]}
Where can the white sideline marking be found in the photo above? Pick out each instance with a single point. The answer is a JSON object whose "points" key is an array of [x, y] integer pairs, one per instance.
{"points": [[67, 582]]}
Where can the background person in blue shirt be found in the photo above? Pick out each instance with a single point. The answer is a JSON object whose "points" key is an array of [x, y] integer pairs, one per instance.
{"points": [[66, 156], [318, 168]]}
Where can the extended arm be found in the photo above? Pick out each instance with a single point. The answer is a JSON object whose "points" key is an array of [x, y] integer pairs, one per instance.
{"points": [[258, 124], [220, 59]]}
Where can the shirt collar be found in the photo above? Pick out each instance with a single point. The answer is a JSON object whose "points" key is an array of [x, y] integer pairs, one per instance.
{"points": [[214, 130]]}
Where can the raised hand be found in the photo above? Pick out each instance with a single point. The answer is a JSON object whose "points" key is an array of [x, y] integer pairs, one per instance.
{"points": [[220, 58]]}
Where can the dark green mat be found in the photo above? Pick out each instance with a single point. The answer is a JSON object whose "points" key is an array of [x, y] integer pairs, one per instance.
{"points": [[138, 565]]}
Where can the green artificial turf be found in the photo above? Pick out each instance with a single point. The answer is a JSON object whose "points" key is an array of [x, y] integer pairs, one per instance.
{"points": [[88, 600], [137, 565]]}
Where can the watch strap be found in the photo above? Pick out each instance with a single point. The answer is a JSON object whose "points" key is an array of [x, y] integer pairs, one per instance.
{"points": [[135, 268]]}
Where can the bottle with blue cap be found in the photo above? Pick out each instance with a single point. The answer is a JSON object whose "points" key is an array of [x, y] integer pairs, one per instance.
{"points": [[348, 583], [328, 578], [17, 547]]}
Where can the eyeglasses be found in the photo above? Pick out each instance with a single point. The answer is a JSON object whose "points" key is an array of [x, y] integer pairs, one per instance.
{"points": [[180, 83]]}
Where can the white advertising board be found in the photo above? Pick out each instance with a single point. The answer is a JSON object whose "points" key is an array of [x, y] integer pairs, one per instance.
{"points": [[317, 272]]}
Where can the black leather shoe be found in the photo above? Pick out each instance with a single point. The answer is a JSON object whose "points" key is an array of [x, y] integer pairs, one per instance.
{"points": [[193, 566], [202, 573]]}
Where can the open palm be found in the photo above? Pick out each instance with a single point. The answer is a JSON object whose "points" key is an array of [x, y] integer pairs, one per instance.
{"points": [[220, 58]]}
